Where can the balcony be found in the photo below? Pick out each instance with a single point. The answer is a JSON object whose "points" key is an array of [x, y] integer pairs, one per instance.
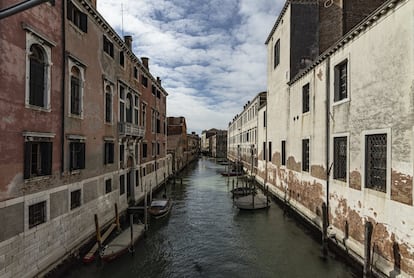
{"points": [[129, 129]]}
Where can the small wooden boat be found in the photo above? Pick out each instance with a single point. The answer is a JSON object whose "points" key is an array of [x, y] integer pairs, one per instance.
{"points": [[232, 173], [122, 243], [252, 202], [243, 191], [160, 208]]}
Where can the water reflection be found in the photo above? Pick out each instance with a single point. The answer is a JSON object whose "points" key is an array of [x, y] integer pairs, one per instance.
{"points": [[205, 236]]}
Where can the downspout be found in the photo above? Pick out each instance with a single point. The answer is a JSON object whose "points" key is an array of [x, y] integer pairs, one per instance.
{"points": [[62, 162], [327, 135]]}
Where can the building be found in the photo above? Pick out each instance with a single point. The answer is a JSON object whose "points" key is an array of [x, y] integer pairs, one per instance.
{"points": [[193, 146], [218, 143], [86, 131], [205, 140], [243, 144], [177, 142], [341, 117]]}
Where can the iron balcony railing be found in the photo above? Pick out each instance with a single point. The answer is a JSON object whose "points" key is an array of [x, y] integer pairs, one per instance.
{"points": [[129, 129]]}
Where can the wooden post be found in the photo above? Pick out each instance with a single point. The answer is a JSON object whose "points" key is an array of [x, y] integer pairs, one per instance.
{"points": [[367, 249], [131, 222], [98, 232], [118, 226], [145, 210], [324, 231], [181, 181], [150, 192]]}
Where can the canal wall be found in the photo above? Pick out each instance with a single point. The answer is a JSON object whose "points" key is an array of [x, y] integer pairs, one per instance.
{"points": [[35, 252]]}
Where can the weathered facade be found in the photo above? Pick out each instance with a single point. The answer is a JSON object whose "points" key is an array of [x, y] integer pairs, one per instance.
{"points": [[243, 133], [193, 146], [219, 144], [86, 131], [342, 131], [206, 141], [177, 142]]}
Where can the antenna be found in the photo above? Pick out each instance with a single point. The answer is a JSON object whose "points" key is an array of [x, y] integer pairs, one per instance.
{"points": [[122, 19]]}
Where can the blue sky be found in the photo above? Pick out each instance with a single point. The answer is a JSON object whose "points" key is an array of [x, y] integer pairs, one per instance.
{"points": [[209, 54]]}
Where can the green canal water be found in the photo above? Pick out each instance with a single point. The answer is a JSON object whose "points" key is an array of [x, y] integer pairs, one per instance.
{"points": [[206, 236]]}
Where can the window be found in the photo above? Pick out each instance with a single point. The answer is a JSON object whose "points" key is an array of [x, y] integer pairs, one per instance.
{"points": [[78, 18], [144, 111], [264, 150], [121, 155], [144, 80], [283, 152], [77, 155], [121, 103], [305, 155], [153, 149], [121, 58], [75, 92], [108, 104], [37, 214], [341, 77], [136, 110], [75, 199], [153, 90], [108, 186], [144, 150], [264, 118], [38, 158], [109, 153], [129, 107], [158, 148], [121, 184], [37, 76], [108, 46], [158, 94], [340, 158], [135, 72], [270, 151], [276, 54], [376, 161], [305, 98]]}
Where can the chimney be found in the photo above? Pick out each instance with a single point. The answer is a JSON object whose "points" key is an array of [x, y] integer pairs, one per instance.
{"points": [[93, 2], [128, 41], [159, 80], [145, 61]]}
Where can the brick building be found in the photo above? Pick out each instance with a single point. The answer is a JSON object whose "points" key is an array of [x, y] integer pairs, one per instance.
{"points": [[86, 130]]}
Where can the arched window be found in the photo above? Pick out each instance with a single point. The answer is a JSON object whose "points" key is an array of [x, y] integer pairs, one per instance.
{"points": [[75, 92], [37, 75], [108, 104]]}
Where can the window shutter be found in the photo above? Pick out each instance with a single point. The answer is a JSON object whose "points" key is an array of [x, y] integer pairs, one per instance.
{"points": [[46, 157], [27, 153], [111, 153], [82, 156], [70, 10], [84, 22], [71, 155]]}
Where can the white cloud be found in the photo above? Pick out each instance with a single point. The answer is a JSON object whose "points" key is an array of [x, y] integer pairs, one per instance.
{"points": [[210, 54]]}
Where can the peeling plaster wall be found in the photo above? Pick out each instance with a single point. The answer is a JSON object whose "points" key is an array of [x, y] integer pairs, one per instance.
{"points": [[380, 86]]}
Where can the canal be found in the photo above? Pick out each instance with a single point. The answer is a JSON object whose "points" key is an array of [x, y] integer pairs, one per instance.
{"points": [[205, 236]]}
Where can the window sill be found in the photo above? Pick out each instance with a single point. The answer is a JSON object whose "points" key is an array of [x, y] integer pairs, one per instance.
{"points": [[74, 172], [36, 179], [74, 116], [342, 101], [38, 108]]}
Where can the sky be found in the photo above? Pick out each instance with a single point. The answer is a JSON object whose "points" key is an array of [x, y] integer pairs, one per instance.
{"points": [[210, 54]]}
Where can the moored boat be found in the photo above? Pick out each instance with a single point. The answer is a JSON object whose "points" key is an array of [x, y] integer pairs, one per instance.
{"points": [[122, 243], [252, 202], [243, 191], [160, 208]]}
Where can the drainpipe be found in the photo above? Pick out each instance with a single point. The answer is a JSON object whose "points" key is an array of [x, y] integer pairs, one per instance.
{"points": [[327, 103], [62, 139]]}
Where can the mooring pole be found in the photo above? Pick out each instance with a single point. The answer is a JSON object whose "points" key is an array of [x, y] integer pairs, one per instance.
{"points": [[324, 231], [145, 209], [131, 221], [98, 232], [367, 249], [118, 226]]}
